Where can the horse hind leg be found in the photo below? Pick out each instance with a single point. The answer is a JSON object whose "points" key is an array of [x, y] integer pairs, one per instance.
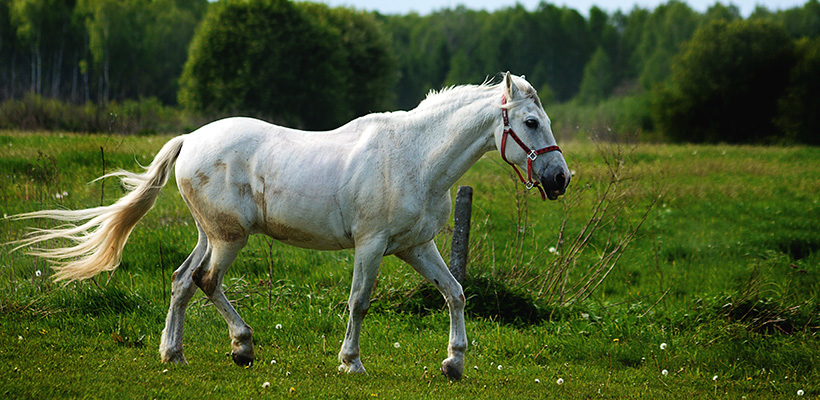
{"points": [[209, 278], [182, 289]]}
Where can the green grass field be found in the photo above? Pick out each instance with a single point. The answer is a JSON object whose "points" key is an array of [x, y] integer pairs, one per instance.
{"points": [[724, 271]]}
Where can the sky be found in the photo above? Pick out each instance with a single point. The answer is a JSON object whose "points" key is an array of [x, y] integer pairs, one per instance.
{"points": [[427, 6]]}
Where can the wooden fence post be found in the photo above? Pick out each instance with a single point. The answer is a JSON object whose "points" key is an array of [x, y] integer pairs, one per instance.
{"points": [[461, 232]]}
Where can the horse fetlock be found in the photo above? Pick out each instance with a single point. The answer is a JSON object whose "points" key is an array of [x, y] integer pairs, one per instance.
{"points": [[453, 368]]}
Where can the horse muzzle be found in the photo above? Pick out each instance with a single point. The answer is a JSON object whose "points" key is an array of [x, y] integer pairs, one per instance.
{"points": [[554, 179]]}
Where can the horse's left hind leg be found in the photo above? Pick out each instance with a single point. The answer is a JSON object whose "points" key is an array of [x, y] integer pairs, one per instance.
{"points": [[182, 289], [210, 281]]}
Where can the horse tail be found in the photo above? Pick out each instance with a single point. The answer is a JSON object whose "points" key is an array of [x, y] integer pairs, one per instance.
{"points": [[98, 242]]}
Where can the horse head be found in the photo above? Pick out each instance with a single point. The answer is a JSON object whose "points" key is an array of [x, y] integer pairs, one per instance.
{"points": [[526, 140]]}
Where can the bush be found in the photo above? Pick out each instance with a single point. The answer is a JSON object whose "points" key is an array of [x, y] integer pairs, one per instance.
{"points": [[799, 109], [293, 64], [726, 83], [37, 113]]}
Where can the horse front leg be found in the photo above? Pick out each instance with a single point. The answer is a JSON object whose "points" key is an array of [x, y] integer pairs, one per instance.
{"points": [[365, 269], [428, 262]]}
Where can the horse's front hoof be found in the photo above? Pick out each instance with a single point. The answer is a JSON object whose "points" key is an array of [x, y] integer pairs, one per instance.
{"points": [[452, 368], [242, 359]]}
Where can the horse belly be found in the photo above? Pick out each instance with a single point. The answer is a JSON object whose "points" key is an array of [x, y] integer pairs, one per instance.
{"points": [[305, 236]]}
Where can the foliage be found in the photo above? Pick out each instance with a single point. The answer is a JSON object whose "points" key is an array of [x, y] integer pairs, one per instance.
{"points": [[301, 65], [34, 112], [798, 114], [726, 84]]}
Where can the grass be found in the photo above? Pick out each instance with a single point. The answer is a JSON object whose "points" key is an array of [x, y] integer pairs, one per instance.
{"points": [[724, 271]]}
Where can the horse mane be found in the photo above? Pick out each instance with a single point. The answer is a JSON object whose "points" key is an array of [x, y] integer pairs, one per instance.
{"points": [[450, 93]]}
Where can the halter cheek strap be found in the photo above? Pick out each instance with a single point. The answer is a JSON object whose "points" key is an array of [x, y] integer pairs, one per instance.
{"points": [[531, 154]]}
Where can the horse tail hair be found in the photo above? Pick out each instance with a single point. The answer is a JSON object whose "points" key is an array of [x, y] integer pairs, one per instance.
{"points": [[99, 240]]}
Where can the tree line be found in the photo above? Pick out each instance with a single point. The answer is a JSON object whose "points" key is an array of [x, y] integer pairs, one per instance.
{"points": [[311, 66]]}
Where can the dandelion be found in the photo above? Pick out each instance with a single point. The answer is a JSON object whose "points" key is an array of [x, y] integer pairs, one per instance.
{"points": [[396, 345], [664, 372], [663, 346], [292, 389], [800, 392], [499, 367], [278, 326], [616, 340], [266, 385], [560, 381]]}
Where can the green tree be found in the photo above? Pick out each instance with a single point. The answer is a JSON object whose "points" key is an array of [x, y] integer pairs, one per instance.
{"points": [[293, 64], [598, 78], [726, 84], [799, 109]]}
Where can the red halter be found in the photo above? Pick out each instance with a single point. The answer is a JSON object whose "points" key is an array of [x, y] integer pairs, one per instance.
{"points": [[531, 154]]}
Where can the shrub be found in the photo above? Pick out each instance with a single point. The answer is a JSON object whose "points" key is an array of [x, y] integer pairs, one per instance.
{"points": [[726, 83]]}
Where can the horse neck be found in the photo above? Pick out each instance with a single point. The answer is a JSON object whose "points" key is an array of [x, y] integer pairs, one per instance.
{"points": [[459, 137]]}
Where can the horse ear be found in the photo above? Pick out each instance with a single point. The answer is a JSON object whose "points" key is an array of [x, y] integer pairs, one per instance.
{"points": [[510, 88]]}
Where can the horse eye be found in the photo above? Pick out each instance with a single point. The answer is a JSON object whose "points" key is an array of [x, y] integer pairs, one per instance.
{"points": [[531, 123]]}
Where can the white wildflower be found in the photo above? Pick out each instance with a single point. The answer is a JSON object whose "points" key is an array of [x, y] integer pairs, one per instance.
{"points": [[537, 380], [800, 392], [38, 273], [278, 326], [499, 367], [664, 372], [663, 346], [396, 345], [272, 362], [552, 249], [714, 378], [266, 385], [560, 381]]}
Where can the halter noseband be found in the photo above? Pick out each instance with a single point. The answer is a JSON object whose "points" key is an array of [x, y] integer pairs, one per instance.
{"points": [[531, 154]]}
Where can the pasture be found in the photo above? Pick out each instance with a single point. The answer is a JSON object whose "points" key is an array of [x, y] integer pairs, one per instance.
{"points": [[724, 271]]}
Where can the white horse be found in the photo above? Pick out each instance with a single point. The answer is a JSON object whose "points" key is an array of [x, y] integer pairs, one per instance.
{"points": [[379, 184]]}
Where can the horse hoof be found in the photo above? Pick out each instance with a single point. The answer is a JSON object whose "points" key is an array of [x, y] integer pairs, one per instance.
{"points": [[174, 358], [452, 369], [242, 360], [353, 368]]}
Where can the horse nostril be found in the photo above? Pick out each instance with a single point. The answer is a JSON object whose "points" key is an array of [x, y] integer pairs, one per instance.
{"points": [[560, 180]]}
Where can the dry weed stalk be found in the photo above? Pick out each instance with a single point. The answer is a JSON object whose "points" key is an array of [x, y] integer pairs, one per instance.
{"points": [[568, 278]]}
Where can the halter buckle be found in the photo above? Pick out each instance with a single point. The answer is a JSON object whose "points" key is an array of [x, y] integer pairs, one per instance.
{"points": [[529, 185], [532, 156]]}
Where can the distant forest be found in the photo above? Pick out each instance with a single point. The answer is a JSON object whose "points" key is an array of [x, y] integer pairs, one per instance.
{"points": [[101, 51]]}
